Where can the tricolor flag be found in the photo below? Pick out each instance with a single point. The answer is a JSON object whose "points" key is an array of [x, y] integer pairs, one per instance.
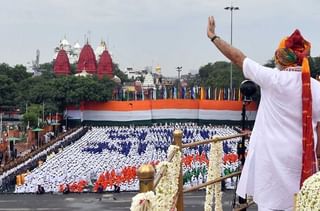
{"points": [[154, 92], [192, 90], [183, 96], [123, 94], [172, 92], [202, 93], [209, 93], [142, 94], [165, 93]]}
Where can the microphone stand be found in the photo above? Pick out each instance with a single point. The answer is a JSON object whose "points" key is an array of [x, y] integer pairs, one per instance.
{"points": [[241, 148]]}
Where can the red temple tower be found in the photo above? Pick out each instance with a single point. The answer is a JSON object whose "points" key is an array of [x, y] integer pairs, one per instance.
{"points": [[61, 64], [87, 60], [105, 66]]}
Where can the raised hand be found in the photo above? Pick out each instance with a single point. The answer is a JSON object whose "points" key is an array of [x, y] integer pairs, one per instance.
{"points": [[211, 27]]}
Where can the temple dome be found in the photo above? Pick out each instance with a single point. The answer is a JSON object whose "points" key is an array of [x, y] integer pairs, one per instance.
{"points": [[158, 69], [100, 49], [77, 46], [105, 65], [148, 81], [61, 64], [83, 73], [64, 44], [87, 60], [116, 79]]}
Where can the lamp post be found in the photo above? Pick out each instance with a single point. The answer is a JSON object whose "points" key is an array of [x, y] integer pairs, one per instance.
{"points": [[179, 69], [231, 8]]}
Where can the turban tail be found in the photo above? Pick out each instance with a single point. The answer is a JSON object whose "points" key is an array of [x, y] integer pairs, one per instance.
{"points": [[308, 156], [293, 51]]}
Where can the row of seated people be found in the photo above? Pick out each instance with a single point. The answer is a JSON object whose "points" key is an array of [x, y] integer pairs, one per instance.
{"points": [[8, 178], [14, 162], [103, 150]]}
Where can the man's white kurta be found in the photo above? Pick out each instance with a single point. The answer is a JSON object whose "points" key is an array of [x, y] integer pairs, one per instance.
{"points": [[272, 169]]}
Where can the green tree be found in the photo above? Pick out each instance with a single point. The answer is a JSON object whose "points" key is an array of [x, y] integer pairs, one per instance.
{"points": [[4, 69], [315, 66], [47, 67], [7, 91], [73, 68], [32, 116], [119, 73], [19, 73], [72, 90], [106, 87], [16, 73], [193, 80], [218, 75], [271, 63], [17, 87], [37, 90]]}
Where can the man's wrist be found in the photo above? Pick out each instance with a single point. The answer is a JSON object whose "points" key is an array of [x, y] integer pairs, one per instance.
{"points": [[213, 38]]}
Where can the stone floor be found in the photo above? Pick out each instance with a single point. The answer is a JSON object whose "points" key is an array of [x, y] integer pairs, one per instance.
{"points": [[95, 202]]}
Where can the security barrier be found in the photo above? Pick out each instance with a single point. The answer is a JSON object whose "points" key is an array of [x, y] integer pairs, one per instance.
{"points": [[147, 198]]}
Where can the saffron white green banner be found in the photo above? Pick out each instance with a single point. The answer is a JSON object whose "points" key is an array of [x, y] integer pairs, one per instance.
{"points": [[146, 110]]}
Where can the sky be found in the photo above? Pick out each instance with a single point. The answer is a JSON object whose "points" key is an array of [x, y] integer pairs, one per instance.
{"points": [[141, 33]]}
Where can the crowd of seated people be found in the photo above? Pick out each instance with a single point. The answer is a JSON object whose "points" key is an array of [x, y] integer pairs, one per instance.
{"points": [[31, 160], [107, 157]]}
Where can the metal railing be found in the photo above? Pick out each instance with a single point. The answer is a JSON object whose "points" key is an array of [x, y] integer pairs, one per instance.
{"points": [[149, 181]]}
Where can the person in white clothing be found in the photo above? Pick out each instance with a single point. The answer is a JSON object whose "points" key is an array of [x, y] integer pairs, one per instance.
{"points": [[281, 153]]}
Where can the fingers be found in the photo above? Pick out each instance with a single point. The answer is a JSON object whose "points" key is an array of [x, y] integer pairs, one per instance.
{"points": [[211, 21], [211, 27]]}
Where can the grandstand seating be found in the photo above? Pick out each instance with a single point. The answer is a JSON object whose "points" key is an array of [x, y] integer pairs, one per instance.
{"points": [[111, 155]]}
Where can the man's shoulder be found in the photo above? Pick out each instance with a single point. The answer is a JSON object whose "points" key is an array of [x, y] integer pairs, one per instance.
{"points": [[254, 64]]}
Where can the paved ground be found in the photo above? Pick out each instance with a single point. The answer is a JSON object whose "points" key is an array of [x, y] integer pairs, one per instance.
{"points": [[95, 202]]}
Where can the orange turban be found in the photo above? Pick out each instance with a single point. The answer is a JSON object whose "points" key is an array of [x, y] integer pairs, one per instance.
{"points": [[292, 50]]}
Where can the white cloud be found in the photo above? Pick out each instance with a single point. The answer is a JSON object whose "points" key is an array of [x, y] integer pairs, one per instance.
{"points": [[146, 32]]}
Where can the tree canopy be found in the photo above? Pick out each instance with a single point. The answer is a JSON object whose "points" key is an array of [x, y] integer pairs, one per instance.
{"points": [[18, 88], [218, 75]]}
